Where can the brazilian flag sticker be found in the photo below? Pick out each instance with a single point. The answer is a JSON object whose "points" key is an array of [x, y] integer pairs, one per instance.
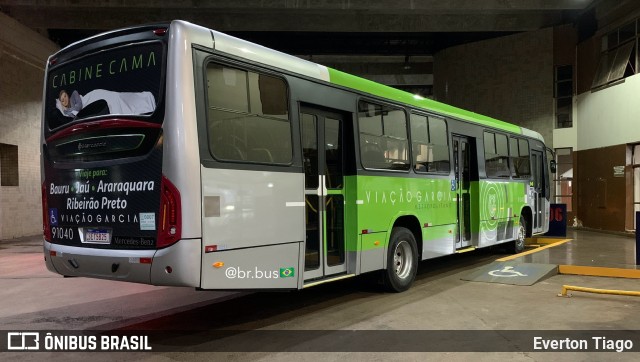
{"points": [[287, 272]]}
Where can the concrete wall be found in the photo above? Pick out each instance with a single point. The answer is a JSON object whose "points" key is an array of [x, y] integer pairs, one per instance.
{"points": [[608, 120], [23, 54], [609, 116], [508, 78]]}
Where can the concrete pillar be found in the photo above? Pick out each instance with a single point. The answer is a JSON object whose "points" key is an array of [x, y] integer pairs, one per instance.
{"points": [[23, 54]]}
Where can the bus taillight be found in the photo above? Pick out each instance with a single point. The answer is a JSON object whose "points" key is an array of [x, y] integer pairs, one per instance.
{"points": [[46, 230], [169, 230]]}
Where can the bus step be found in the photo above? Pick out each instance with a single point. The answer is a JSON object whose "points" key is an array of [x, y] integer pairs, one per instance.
{"points": [[331, 279], [466, 249]]}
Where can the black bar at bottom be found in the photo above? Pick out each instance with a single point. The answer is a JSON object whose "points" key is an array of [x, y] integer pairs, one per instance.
{"points": [[322, 341]]}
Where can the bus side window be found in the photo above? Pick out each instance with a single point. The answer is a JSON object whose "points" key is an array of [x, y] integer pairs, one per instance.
{"points": [[384, 144], [420, 142], [496, 155], [248, 117], [519, 151], [429, 144], [438, 141]]}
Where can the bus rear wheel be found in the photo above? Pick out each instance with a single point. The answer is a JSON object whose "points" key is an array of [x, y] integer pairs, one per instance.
{"points": [[402, 260]]}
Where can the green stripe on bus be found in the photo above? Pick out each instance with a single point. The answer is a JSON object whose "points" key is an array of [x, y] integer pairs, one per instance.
{"points": [[376, 89], [381, 200]]}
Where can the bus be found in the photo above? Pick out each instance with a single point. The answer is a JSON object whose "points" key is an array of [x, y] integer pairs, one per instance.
{"points": [[177, 155]]}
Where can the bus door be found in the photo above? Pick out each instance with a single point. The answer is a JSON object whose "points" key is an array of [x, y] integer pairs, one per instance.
{"points": [[322, 150], [538, 190], [462, 167]]}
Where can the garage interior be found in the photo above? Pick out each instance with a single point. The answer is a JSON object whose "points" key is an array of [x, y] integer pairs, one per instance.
{"points": [[567, 69]]}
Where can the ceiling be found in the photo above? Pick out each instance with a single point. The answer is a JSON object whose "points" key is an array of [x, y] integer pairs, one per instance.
{"points": [[388, 41], [306, 27]]}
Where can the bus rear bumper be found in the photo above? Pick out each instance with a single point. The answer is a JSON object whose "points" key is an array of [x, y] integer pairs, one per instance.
{"points": [[176, 265]]}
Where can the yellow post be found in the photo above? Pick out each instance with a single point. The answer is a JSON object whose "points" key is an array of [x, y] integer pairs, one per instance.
{"points": [[566, 288]]}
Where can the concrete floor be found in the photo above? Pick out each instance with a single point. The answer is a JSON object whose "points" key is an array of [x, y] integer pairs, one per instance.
{"points": [[590, 249], [34, 299]]}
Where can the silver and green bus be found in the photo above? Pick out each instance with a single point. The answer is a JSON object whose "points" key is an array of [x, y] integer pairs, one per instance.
{"points": [[177, 155]]}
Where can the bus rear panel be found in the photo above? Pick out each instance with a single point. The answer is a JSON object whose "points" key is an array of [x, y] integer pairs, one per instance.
{"points": [[107, 207]]}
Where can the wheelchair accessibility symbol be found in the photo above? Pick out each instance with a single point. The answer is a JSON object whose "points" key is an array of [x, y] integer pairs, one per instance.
{"points": [[506, 272], [53, 217]]}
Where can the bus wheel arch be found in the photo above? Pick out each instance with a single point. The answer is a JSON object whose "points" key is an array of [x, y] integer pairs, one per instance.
{"points": [[412, 224], [402, 255], [527, 215]]}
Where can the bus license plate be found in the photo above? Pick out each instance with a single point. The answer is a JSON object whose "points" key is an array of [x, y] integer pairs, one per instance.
{"points": [[97, 236]]}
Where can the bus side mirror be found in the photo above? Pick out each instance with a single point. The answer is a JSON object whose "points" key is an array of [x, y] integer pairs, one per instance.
{"points": [[553, 166]]}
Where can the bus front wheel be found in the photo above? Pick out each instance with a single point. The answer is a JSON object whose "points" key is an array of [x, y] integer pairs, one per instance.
{"points": [[402, 260], [517, 245]]}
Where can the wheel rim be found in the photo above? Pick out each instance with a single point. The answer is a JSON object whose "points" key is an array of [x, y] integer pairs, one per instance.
{"points": [[403, 259], [521, 237]]}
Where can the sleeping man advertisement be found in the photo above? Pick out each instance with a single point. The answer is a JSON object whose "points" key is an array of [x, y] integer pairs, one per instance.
{"points": [[133, 103], [124, 80]]}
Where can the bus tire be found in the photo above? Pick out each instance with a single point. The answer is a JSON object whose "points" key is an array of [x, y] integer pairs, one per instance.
{"points": [[517, 246], [402, 260]]}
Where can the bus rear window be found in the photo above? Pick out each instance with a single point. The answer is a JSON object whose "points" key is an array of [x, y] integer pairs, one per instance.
{"points": [[120, 81]]}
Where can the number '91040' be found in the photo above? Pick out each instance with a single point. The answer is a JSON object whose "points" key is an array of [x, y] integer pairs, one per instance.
{"points": [[62, 233]]}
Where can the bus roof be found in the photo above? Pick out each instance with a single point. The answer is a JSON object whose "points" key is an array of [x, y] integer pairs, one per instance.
{"points": [[245, 49], [364, 85]]}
